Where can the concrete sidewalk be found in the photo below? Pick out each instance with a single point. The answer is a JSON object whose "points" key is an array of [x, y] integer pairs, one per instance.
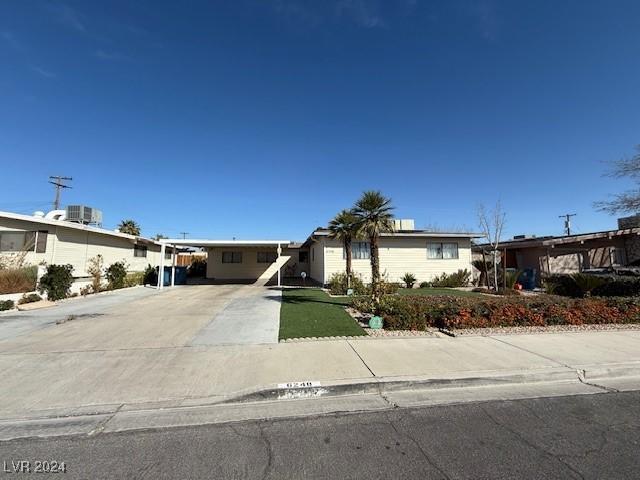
{"points": [[63, 383]]}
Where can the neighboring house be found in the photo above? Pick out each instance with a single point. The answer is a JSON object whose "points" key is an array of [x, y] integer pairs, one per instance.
{"points": [[57, 241], [422, 253], [568, 254]]}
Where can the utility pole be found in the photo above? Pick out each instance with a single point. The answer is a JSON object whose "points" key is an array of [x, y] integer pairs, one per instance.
{"points": [[184, 234], [567, 222], [58, 181]]}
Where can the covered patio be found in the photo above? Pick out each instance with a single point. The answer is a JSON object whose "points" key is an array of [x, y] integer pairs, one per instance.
{"points": [[232, 261]]}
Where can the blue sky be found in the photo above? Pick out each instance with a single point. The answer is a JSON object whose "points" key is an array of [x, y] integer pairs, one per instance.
{"points": [[261, 119]]}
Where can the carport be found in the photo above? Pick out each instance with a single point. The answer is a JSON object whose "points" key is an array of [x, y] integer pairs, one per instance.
{"points": [[232, 256]]}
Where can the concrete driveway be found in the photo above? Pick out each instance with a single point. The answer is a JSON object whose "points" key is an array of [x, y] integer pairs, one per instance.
{"points": [[145, 318]]}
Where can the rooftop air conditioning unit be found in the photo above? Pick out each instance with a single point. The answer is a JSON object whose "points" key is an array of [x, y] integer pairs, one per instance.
{"points": [[84, 215], [629, 222]]}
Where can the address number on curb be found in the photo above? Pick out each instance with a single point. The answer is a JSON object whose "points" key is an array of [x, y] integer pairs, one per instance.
{"points": [[306, 384]]}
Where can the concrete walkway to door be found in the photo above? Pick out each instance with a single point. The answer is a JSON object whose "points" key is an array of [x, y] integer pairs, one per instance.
{"points": [[251, 318]]}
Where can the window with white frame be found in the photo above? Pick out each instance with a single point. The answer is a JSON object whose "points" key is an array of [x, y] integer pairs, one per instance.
{"points": [[13, 241], [359, 251], [267, 257], [442, 251], [231, 257]]}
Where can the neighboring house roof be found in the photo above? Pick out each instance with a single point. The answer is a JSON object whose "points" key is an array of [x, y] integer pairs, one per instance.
{"points": [[324, 232], [550, 241], [224, 243], [75, 226]]}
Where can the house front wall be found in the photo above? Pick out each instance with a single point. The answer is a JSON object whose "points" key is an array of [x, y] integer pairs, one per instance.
{"points": [[248, 268], [399, 255], [77, 247]]}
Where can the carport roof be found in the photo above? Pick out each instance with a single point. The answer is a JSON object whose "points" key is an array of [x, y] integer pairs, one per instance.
{"points": [[224, 243]]}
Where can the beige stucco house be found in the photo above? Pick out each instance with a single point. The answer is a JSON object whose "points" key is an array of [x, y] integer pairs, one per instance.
{"points": [[425, 254], [53, 241]]}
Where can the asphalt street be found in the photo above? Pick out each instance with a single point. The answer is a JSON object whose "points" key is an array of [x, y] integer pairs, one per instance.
{"points": [[585, 436]]}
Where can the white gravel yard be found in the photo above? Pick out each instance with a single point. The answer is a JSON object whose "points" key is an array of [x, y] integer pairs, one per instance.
{"points": [[549, 329]]}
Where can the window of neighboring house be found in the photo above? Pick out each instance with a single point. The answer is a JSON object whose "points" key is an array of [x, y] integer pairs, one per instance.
{"points": [[139, 250], [167, 254], [359, 251], [231, 257], [303, 257], [13, 241], [267, 257], [446, 251], [41, 241], [617, 256]]}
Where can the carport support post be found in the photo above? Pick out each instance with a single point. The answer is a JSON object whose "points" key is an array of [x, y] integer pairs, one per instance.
{"points": [[173, 267], [161, 267], [279, 253]]}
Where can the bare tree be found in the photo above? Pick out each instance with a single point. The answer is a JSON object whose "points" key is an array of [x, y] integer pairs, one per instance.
{"points": [[491, 223], [628, 201]]}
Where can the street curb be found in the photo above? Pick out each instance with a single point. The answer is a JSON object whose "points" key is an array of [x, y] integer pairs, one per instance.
{"points": [[381, 385]]}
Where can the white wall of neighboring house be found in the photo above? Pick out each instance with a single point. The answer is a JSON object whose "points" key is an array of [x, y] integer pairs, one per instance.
{"points": [[75, 246], [399, 255]]}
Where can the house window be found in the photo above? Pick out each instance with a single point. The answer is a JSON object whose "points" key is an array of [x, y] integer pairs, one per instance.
{"points": [[303, 257], [41, 241], [446, 251], [231, 257], [167, 254], [267, 257], [140, 251], [13, 241], [359, 251]]}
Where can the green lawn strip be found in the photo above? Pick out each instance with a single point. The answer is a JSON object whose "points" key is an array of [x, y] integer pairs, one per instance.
{"points": [[310, 312], [437, 291]]}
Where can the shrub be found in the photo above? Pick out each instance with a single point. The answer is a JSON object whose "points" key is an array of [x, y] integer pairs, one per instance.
{"points": [[198, 267], [586, 283], [338, 284], [31, 298], [150, 276], [580, 285], [425, 284], [116, 274], [421, 312], [56, 281], [458, 279], [562, 285], [18, 280], [133, 279], [388, 288], [409, 279], [95, 269], [6, 305], [618, 288], [511, 278]]}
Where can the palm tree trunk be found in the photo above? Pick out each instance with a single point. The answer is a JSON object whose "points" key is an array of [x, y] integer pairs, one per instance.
{"points": [[375, 268], [349, 256]]}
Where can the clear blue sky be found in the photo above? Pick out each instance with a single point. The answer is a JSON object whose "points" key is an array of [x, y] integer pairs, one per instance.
{"points": [[260, 119]]}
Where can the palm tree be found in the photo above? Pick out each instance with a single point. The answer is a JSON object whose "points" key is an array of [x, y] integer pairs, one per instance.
{"points": [[342, 227], [373, 211], [130, 227]]}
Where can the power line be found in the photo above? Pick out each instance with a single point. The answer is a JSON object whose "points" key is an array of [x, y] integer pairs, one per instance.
{"points": [[567, 222], [58, 181], [184, 234]]}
